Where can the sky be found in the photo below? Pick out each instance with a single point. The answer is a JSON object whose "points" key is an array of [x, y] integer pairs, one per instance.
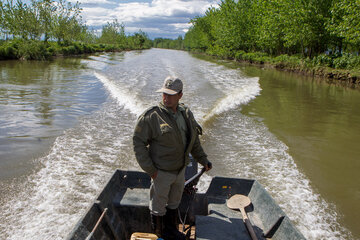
{"points": [[157, 18]]}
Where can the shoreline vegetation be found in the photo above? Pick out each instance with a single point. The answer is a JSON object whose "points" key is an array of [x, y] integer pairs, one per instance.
{"points": [[316, 38], [44, 29], [312, 37]]}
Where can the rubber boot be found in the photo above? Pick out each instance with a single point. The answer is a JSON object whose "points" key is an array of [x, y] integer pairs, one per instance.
{"points": [[170, 231], [157, 225]]}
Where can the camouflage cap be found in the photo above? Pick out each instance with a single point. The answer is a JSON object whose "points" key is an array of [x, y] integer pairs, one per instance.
{"points": [[171, 86]]}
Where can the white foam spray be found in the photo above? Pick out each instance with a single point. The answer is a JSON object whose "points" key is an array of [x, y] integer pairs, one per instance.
{"points": [[77, 166], [234, 99], [251, 151], [123, 95]]}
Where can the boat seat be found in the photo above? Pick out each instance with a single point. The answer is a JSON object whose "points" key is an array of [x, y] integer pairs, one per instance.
{"points": [[133, 197], [218, 206], [220, 223], [132, 208]]}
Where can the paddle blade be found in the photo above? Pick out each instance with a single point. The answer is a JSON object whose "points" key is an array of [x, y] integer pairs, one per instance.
{"points": [[238, 201]]}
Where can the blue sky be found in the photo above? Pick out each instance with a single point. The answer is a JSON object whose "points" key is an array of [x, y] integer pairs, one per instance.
{"points": [[157, 18]]}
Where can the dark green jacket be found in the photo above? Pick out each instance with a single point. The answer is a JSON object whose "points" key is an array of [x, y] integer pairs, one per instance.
{"points": [[158, 144]]}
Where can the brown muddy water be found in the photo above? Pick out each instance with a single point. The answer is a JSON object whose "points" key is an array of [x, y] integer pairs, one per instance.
{"points": [[66, 125]]}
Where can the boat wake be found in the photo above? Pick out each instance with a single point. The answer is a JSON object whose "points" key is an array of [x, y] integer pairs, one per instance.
{"points": [[253, 152], [234, 99], [79, 163], [124, 96]]}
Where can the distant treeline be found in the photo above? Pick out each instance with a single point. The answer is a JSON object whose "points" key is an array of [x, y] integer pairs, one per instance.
{"points": [[45, 28], [169, 43], [301, 32]]}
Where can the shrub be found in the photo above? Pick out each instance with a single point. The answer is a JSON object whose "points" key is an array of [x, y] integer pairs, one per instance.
{"points": [[32, 50], [323, 60], [222, 52], [79, 48], [10, 52], [109, 48], [239, 55], [347, 61], [52, 50], [287, 60], [68, 50], [256, 57]]}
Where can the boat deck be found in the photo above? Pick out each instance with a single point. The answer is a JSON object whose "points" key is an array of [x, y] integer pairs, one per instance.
{"points": [[126, 196]]}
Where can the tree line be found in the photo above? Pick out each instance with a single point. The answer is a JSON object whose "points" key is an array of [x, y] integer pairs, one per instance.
{"points": [[313, 32], [169, 43], [43, 28]]}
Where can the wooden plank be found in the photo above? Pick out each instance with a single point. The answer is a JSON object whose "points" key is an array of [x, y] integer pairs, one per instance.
{"points": [[143, 236]]}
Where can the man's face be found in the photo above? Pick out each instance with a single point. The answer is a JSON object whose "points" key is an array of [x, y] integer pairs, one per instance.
{"points": [[171, 101]]}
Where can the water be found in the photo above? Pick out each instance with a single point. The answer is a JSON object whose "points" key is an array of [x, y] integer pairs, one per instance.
{"points": [[85, 119]]}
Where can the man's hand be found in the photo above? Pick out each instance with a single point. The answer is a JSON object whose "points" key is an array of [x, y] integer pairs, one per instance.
{"points": [[154, 175], [208, 166]]}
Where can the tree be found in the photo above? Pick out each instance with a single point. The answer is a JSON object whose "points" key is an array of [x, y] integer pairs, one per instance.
{"points": [[46, 9], [344, 24], [66, 22], [200, 34], [139, 40], [113, 33]]}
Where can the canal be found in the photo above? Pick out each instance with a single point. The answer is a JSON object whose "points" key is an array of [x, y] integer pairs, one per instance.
{"points": [[66, 125]]}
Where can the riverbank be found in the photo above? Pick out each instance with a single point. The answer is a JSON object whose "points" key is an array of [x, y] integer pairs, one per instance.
{"points": [[39, 50], [338, 76], [311, 67], [347, 74], [347, 78]]}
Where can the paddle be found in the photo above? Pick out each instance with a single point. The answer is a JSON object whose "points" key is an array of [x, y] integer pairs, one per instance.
{"points": [[239, 201], [195, 178]]}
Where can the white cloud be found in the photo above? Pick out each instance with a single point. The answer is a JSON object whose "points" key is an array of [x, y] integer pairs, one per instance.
{"points": [[92, 1], [157, 16], [181, 26]]}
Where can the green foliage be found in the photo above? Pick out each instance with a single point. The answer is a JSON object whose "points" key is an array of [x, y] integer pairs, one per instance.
{"points": [[347, 61], [8, 51], [309, 33], [139, 40], [169, 43], [29, 50], [113, 33], [323, 60], [39, 50], [201, 35], [219, 51], [285, 59], [344, 23], [25, 25], [24, 49], [41, 19]]}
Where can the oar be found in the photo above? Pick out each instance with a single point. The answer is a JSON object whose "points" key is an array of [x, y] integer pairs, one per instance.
{"points": [[97, 224], [239, 201], [195, 177]]}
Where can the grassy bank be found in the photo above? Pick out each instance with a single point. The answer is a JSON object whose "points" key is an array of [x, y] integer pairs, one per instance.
{"points": [[345, 68], [317, 37], [39, 50]]}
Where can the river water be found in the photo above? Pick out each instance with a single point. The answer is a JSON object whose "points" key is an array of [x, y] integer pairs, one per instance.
{"points": [[66, 125]]}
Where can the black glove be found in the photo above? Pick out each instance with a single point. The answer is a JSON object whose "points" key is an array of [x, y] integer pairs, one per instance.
{"points": [[208, 166]]}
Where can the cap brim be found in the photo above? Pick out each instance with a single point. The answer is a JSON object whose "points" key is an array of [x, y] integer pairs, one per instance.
{"points": [[167, 91]]}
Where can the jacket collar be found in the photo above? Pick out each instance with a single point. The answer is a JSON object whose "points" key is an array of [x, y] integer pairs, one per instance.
{"points": [[180, 107]]}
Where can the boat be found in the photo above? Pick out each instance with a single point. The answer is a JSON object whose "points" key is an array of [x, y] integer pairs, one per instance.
{"points": [[121, 210]]}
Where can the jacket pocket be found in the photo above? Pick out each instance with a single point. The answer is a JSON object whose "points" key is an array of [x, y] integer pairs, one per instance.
{"points": [[165, 128]]}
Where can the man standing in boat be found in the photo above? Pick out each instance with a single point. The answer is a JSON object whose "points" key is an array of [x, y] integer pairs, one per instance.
{"points": [[164, 137]]}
